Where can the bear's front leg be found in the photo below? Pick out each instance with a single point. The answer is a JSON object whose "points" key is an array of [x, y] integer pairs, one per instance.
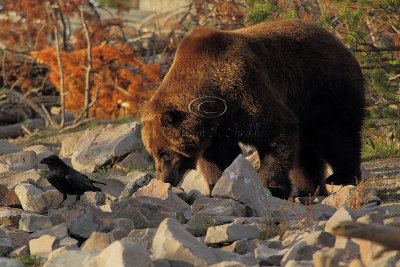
{"points": [[277, 157], [217, 157]]}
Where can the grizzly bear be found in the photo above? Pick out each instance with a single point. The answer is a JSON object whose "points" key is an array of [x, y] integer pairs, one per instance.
{"points": [[288, 88]]}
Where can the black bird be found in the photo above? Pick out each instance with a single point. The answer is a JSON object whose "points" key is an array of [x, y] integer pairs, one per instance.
{"points": [[68, 180]]}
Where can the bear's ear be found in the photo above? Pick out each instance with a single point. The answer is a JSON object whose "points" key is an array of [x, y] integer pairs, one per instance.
{"points": [[171, 117]]}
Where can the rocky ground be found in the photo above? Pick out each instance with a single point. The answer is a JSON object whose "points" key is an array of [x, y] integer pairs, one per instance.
{"points": [[139, 221]]}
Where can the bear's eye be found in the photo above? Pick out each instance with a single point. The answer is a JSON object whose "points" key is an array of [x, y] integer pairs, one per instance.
{"points": [[162, 154]]}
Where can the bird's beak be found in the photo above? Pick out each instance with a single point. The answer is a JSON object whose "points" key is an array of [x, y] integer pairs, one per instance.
{"points": [[43, 161]]}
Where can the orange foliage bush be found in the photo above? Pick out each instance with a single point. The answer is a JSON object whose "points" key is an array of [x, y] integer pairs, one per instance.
{"points": [[119, 75]]}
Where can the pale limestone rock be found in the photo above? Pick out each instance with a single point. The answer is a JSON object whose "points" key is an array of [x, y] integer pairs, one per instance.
{"points": [[71, 258], [61, 250], [120, 254], [27, 194], [43, 245], [96, 241], [240, 181], [194, 183], [46, 200], [349, 196], [231, 232], [174, 243], [342, 214], [205, 206], [97, 147], [21, 161], [68, 145]]}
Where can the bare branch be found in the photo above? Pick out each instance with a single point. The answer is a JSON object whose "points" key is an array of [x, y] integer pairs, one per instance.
{"points": [[89, 67], [60, 67], [387, 236]]}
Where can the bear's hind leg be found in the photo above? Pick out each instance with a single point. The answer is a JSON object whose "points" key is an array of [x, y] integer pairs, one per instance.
{"points": [[308, 173], [217, 157]]}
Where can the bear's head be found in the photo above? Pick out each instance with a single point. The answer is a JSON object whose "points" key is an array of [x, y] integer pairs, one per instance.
{"points": [[183, 115], [170, 137]]}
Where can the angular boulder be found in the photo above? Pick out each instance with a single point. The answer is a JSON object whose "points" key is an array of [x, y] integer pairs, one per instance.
{"points": [[98, 147]]}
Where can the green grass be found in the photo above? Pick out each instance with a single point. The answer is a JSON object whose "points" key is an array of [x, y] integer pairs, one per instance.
{"points": [[35, 138], [200, 229], [30, 260], [378, 149]]}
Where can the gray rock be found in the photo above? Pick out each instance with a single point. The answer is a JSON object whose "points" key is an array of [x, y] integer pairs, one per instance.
{"points": [[151, 205], [269, 256], [244, 246], [304, 247], [347, 244], [240, 181], [17, 237], [120, 254], [20, 161], [342, 214], [174, 243], [300, 263], [10, 217], [68, 145], [195, 184], [60, 231], [71, 258], [98, 147], [143, 237], [46, 200], [138, 180], [40, 150], [69, 242], [6, 246], [96, 198], [83, 221], [32, 222], [6, 262], [133, 161], [19, 252], [246, 260], [61, 250], [205, 206], [8, 148], [231, 232], [12, 178]]}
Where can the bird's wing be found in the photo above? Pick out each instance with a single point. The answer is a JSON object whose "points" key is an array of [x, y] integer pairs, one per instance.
{"points": [[79, 180]]}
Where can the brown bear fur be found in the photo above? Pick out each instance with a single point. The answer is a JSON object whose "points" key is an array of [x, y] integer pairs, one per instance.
{"points": [[289, 88]]}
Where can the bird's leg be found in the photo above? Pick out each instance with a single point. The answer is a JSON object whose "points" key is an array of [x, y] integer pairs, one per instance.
{"points": [[78, 197], [64, 198]]}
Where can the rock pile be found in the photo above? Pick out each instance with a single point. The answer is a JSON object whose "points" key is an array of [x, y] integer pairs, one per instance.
{"points": [[140, 221]]}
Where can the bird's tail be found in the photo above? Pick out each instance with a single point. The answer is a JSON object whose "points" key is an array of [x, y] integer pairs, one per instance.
{"points": [[98, 182]]}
